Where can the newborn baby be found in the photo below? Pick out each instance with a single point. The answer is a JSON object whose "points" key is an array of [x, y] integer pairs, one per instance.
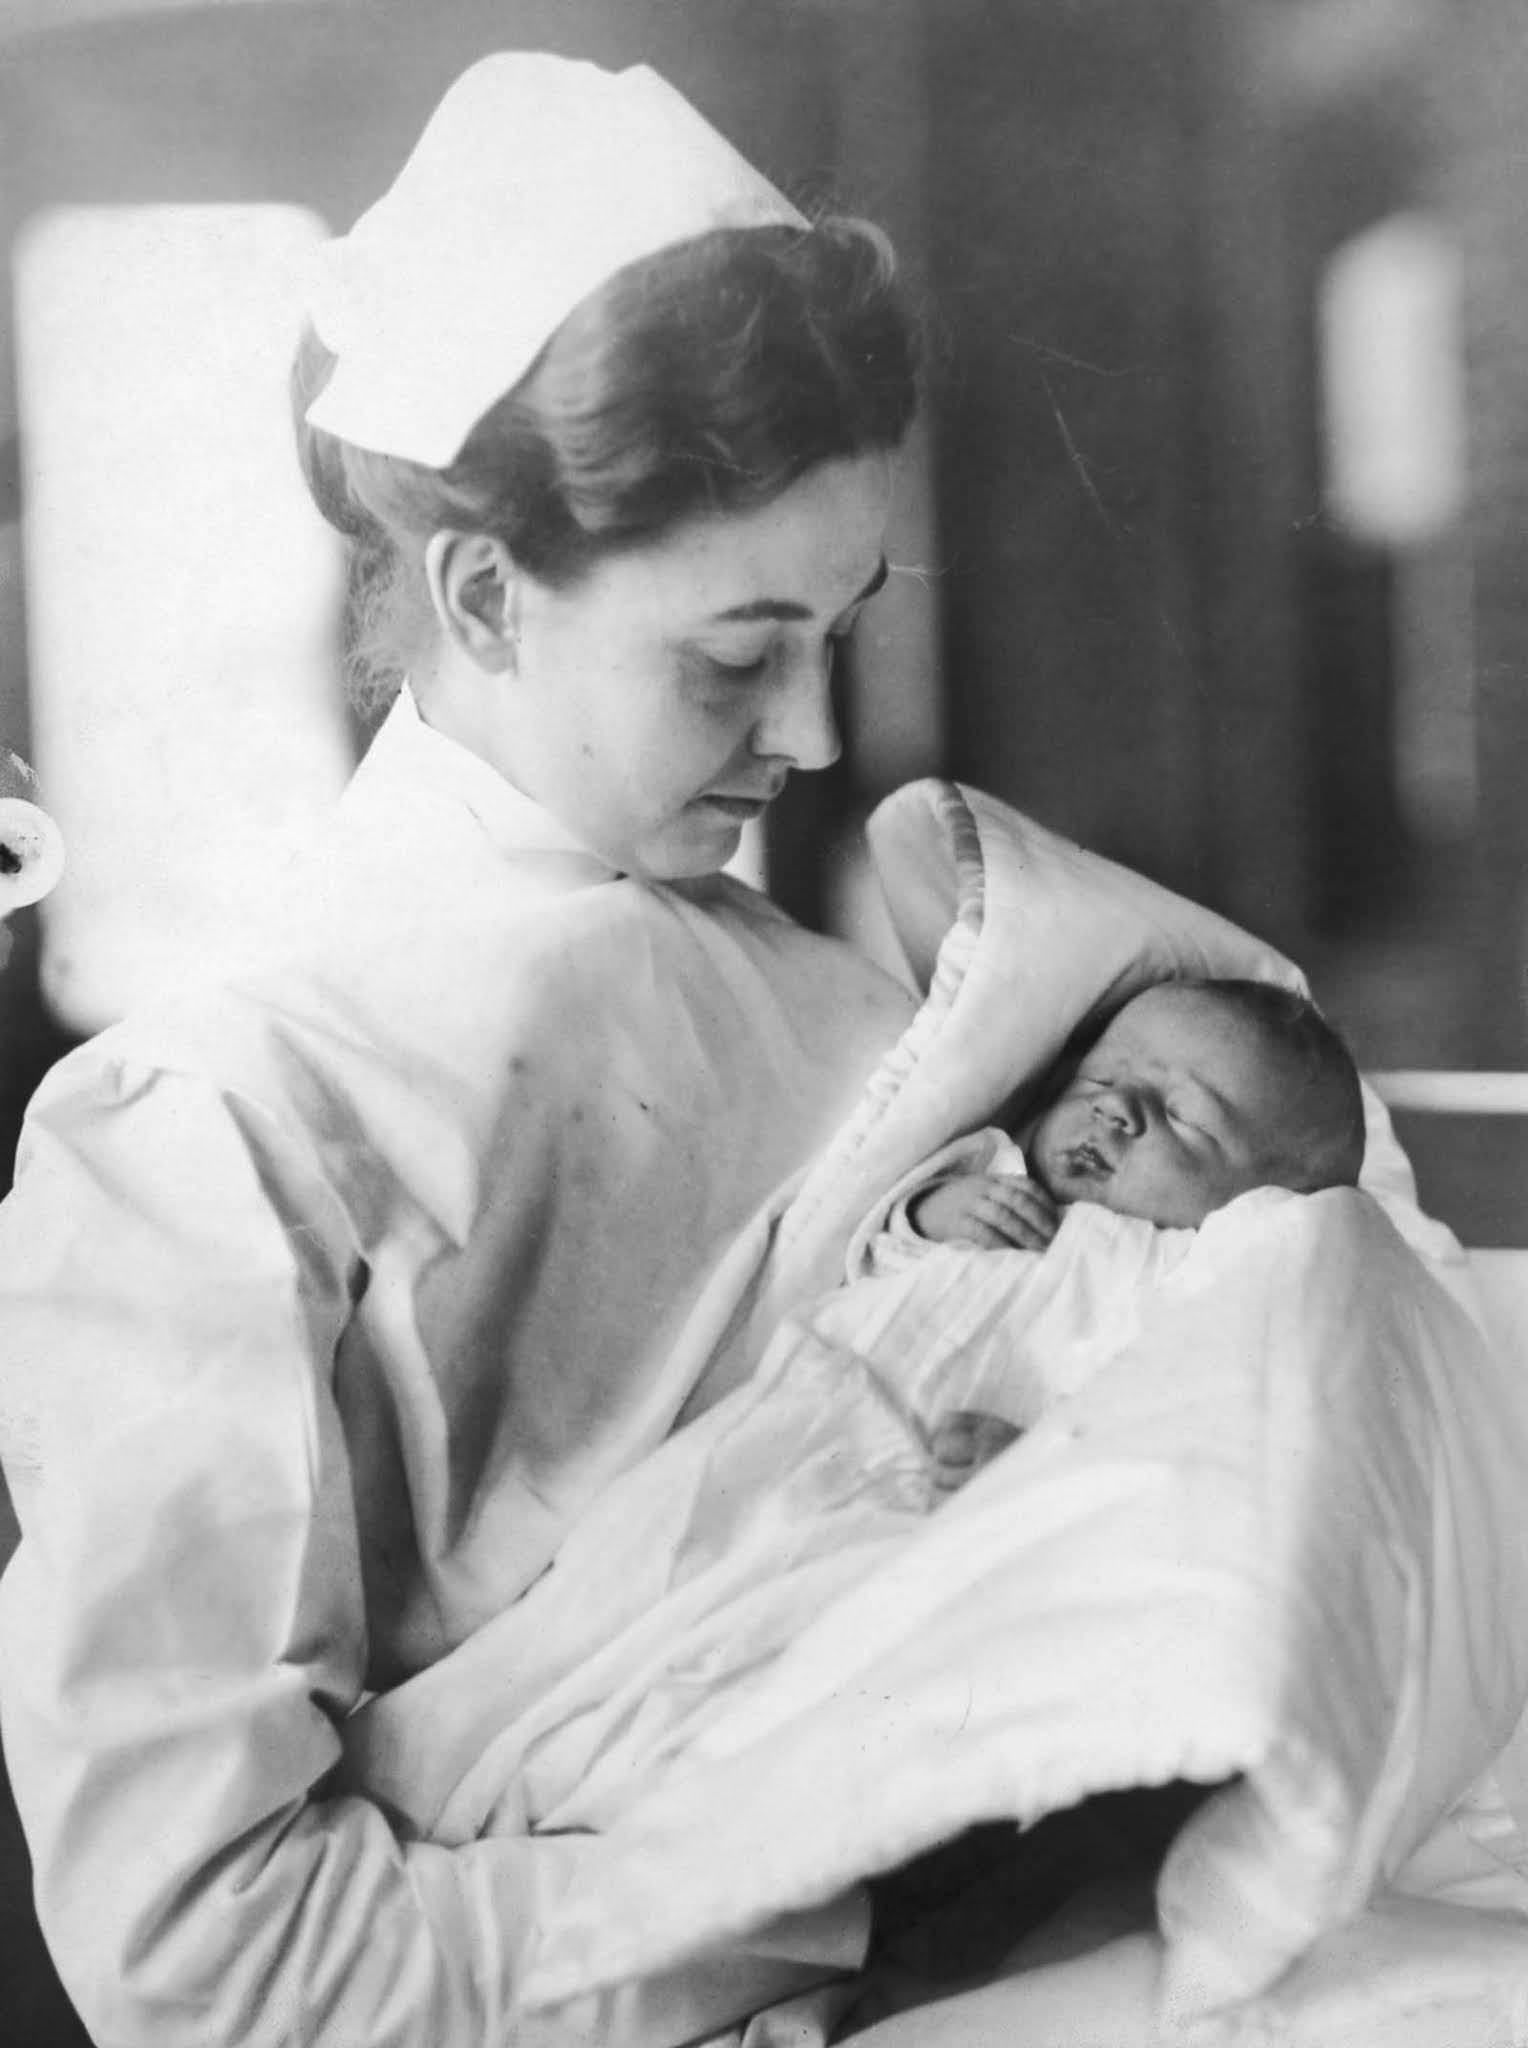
{"points": [[694, 1572], [1194, 1093]]}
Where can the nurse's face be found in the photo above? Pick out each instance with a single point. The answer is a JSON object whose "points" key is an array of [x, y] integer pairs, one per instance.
{"points": [[659, 704]]}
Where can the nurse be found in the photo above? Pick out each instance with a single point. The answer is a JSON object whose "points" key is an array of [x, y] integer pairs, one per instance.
{"points": [[331, 1290]]}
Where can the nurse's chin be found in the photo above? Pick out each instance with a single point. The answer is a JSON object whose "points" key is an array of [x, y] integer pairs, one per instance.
{"points": [[699, 844]]}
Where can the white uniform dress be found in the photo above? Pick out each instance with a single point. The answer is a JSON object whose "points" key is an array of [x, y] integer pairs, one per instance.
{"points": [[328, 1294]]}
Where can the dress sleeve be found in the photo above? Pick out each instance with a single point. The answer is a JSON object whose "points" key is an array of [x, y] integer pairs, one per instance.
{"points": [[182, 1628]]}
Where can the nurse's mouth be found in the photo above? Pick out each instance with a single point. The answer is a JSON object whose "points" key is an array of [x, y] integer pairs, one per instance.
{"points": [[741, 808]]}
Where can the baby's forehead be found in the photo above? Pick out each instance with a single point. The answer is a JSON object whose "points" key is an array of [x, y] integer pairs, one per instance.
{"points": [[1175, 1012], [1190, 1030]]}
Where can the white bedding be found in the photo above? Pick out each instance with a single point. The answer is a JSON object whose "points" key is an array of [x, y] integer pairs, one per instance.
{"points": [[1275, 1538]]}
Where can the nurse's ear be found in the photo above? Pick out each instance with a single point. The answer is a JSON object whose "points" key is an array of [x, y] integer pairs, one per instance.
{"points": [[473, 587]]}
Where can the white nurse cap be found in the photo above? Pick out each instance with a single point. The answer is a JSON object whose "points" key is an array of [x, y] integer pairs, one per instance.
{"points": [[536, 179]]}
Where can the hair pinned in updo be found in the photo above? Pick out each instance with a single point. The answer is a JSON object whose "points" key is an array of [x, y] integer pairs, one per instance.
{"points": [[706, 378]]}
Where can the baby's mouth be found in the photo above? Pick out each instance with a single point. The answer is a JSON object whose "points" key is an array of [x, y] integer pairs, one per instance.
{"points": [[1088, 1160]]}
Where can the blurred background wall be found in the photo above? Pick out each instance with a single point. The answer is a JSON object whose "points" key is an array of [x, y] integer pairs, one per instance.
{"points": [[1210, 547], [1210, 551]]}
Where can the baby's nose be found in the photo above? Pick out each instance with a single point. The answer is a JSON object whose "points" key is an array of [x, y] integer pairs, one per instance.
{"points": [[1122, 1109]]}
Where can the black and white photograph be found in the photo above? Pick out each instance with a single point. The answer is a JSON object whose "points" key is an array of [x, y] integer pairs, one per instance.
{"points": [[764, 1024]]}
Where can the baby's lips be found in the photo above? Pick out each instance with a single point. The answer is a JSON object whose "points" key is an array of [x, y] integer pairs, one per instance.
{"points": [[31, 854], [1088, 1160]]}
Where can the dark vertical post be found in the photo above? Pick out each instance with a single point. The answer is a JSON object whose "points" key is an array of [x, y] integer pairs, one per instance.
{"points": [[1489, 106], [1247, 406], [1119, 451]]}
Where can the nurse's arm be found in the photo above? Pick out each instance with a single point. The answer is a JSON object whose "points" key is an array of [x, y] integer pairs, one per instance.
{"points": [[182, 1627]]}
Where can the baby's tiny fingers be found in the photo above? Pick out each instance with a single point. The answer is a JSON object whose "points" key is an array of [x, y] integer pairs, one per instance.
{"points": [[988, 1233], [1024, 1232], [1028, 1211]]}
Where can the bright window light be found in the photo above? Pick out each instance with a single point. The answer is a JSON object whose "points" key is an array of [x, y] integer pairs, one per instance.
{"points": [[182, 594], [1392, 376], [1393, 384]]}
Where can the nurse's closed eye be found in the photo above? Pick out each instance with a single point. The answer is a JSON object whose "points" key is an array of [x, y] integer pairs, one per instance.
{"points": [[703, 664]]}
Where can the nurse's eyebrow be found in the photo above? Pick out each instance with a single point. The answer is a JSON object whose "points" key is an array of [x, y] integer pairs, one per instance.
{"points": [[786, 608]]}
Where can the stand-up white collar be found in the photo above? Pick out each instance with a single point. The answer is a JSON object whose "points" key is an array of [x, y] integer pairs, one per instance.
{"points": [[408, 750]]}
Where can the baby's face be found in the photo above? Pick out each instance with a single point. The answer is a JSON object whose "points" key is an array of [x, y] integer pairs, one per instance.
{"points": [[1180, 1106]]}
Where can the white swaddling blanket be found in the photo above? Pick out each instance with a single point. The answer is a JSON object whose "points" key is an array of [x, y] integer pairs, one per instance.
{"points": [[1277, 1536], [700, 1566], [1247, 1546]]}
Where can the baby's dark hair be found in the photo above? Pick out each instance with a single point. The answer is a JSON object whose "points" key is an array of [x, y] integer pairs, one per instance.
{"points": [[1325, 1147]]}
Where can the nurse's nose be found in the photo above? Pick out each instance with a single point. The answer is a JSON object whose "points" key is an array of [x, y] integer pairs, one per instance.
{"points": [[798, 724]]}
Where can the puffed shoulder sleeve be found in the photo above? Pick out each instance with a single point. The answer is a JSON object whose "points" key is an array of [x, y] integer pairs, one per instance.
{"points": [[181, 1629]]}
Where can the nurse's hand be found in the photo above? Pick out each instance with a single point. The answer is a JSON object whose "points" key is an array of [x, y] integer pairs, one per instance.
{"points": [[995, 1212]]}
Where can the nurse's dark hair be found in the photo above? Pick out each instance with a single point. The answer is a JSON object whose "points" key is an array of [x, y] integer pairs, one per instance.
{"points": [[706, 378], [1322, 1144]]}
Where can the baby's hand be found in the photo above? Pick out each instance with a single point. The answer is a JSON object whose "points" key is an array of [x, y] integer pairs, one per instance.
{"points": [[965, 1441], [992, 1211]]}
